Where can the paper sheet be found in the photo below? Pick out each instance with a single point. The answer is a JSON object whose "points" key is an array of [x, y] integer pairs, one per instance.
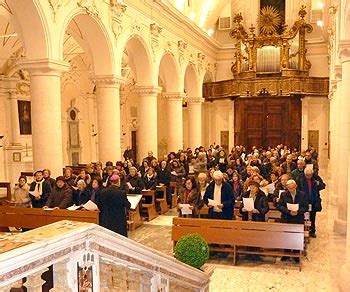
{"points": [[75, 188], [271, 188], [185, 209], [90, 206], [293, 207], [248, 204], [212, 203], [280, 193], [129, 185], [73, 208], [191, 169], [134, 200], [310, 165], [49, 209], [34, 193], [222, 160]]}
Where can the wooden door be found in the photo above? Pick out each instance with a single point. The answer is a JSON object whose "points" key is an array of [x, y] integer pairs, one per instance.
{"points": [[268, 121]]}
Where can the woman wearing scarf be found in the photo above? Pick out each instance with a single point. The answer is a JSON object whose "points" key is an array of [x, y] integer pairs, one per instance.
{"points": [[81, 195], [39, 190], [189, 195]]}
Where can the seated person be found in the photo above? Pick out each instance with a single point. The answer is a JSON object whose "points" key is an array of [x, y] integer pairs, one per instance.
{"points": [[289, 165], [177, 172], [106, 182], [95, 188], [134, 182], [261, 206], [47, 177], [39, 190], [272, 186], [83, 175], [69, 177], [149, 180], [81, 195], [222, 195], [20, 194], [202, 187], [189, 195], [61, 195], [280, 186]]}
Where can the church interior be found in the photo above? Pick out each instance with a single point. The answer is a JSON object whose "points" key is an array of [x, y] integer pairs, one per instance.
{"points": [[147, 97]]}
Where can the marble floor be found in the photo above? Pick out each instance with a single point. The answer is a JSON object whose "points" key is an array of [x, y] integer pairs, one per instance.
{"points": [[326, 254]]}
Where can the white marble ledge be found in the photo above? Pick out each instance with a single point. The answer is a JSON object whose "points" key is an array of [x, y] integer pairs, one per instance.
{"points": [[62, 240]]}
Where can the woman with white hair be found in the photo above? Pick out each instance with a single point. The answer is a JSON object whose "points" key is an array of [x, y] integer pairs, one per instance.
{"points": [[219, 198], [81, 195], [134, 181]]}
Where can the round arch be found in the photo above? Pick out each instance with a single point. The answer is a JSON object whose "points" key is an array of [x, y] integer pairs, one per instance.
{"points": [[169, 73], [207, 77], [92, 35], [139, 58], [191, 81], [30, 24]]}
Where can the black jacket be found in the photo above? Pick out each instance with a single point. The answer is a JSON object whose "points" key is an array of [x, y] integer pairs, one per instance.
{"points": [[113, 205], [317, 185], [136, 182], [46, 190], [149, 184], [300, 199], [227, 199], [80, 198], [260, 203], [164, 177]]}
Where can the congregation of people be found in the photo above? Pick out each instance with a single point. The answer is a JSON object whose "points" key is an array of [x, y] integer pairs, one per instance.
{"points": [[208, 178]]}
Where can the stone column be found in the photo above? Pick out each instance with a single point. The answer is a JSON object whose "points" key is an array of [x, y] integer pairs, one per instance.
{"points": [[194, 106], [14, 118], [304, 123], [344, 140], [45, 90], [175, 120], [108, 117], [333, 144], [147, 136]]}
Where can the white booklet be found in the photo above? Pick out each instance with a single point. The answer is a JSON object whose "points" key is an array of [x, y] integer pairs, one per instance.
{"points": [[73, 208], [134, 200], [90, 206], [212, 203], [185, 209], [248, 204], [293, 207]]}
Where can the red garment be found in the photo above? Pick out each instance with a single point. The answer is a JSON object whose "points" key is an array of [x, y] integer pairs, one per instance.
{"points": [[309, 184]]}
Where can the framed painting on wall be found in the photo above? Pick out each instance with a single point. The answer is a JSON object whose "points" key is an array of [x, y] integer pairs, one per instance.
{"points": [[24, 116]]}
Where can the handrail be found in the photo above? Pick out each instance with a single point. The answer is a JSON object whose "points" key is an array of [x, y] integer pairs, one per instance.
{"points": [[67, 244]]}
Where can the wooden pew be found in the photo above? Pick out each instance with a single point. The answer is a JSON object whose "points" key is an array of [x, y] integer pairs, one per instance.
{"points": [[134, 218], [149, 204], [271, 238], [161, 199], [7, 186], [174, 194], [31, 218]]}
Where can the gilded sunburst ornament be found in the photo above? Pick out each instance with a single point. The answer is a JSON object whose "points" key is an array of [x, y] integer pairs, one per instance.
{"points": [[269, 20]]}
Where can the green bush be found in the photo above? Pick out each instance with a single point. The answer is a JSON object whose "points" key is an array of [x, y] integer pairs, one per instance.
{"points": [[192, 249]]}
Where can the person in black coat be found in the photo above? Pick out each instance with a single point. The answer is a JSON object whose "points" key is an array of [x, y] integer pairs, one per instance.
{"points": [[312, 185], [163, 179], [149, 180], [114, 205], [134, 182], [81, 195], [261, 206], [237, 186], [292, 196], [39, 190], [222, 193]]}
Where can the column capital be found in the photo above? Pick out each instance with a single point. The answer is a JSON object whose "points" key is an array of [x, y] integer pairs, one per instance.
{"points": [[108, 80], [344, 50], [195, 100], [175, 96], [147, 90], [44, 66]]}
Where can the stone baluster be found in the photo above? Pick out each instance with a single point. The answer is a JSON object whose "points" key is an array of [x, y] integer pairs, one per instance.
{"points": [[18, 284], [61, 272], [34, 282], [106, 277]]}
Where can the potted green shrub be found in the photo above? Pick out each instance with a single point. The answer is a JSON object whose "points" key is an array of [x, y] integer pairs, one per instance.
{"points": [[192, 249]]}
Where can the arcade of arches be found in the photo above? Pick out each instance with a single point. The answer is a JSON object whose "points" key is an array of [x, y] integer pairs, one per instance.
{"points": [[98, 76]]}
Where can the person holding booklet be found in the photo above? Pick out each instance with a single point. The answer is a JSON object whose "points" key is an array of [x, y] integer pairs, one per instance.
{"points": [[219, 198], [134, 181], [255, 203], [39, 190], [292, 204], [189, 198], [81, 194]]}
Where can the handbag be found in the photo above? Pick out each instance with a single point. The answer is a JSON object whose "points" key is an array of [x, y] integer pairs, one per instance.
{"points": [[318, 205]]}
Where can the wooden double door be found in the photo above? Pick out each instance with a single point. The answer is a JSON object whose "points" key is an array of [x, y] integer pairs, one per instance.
{"points": [[268, 121]]}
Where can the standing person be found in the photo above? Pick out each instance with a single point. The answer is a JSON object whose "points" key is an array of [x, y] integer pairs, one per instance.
{"points": [[189, 195], [313, 184], [163, 179], [222, 194], [39, 190], [47, 177], [114, 205], [20, 194]]}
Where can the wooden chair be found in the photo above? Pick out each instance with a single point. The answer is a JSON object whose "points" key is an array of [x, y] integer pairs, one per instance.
{"points": [[161, 199], [148, 204]]}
